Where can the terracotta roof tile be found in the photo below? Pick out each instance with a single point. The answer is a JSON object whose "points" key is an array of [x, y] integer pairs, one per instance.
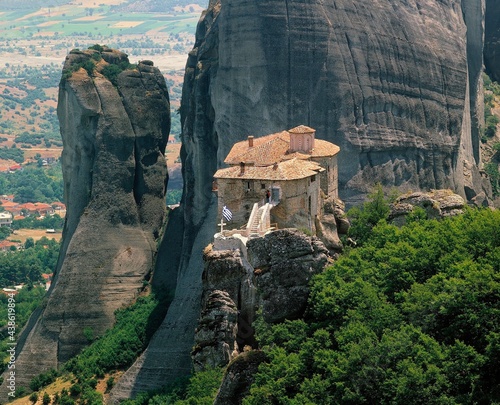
{"points": [[9, 204], [324, 148], [301, 129], [273, 148], [266, 150], [292, 169]]}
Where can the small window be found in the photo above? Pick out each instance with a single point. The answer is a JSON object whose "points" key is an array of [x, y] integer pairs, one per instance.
{"points": [[262, 186], [249, 185]]}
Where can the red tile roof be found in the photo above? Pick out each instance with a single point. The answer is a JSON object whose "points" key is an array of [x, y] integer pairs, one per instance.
{"points": [[269, 149], [28, 206], [5, 244], [292, 169], [9, 204], [302, 129]]}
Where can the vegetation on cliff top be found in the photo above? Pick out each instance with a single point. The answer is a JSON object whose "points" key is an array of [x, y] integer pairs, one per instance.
{"points": [[109, 71]]}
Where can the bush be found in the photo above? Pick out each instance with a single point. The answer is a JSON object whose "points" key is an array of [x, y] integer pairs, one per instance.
{"points": [[43, 379], [110, 383], [33, 397], [363, 219], [46, 399], [97, 47]]}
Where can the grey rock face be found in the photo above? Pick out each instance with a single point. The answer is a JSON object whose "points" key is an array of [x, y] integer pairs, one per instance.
{"points": [[284, 262], [492, 39], [239, 377], [333, 223], [436, 203], [114, 172], [228, 270], [395, 84], [215, 337], [168, 354]]}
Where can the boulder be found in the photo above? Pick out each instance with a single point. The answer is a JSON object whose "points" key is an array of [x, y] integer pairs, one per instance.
{"points": [[436, 203], [239, 377]]}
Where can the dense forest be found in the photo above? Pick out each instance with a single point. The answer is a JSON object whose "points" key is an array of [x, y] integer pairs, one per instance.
{"points": [[34, 184], [27, 265]]}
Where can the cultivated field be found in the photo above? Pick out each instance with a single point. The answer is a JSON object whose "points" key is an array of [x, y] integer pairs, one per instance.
{"points": [[36, 37], [36, 234]]}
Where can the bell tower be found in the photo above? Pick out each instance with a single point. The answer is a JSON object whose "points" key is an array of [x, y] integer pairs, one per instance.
{"points": [[302, 139]]}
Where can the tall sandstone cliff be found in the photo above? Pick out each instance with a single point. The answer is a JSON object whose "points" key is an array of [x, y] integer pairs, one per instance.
{"points": [[395, 83], [114, 170], [492, 39]]}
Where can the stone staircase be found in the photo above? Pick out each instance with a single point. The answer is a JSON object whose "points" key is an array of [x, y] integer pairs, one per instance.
{"points": [[255, 225], [259, 221]]}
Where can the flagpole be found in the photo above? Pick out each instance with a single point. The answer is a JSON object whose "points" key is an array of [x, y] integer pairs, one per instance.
{"points": [[227, 214]]}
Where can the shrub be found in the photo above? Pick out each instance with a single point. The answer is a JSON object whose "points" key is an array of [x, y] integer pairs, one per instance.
{"points": [[33, 397], [46, 399], [43, 379], [97, 47]]}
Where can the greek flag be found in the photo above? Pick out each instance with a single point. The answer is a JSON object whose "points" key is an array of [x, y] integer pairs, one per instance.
{"points": [[226, 213]]}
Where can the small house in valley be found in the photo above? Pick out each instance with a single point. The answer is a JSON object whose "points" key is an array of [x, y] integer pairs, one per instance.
{"points": [[5, 219], [291, 172]]}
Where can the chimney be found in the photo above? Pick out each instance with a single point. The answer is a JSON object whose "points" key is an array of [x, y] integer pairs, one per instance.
{"points": [[242, 168], [275, 166], [250, 141]]}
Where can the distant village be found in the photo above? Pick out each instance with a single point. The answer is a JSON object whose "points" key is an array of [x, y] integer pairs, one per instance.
{"points": [[12, 211]]}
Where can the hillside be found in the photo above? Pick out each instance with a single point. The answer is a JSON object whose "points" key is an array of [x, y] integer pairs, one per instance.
{"points": [[34, 40]]}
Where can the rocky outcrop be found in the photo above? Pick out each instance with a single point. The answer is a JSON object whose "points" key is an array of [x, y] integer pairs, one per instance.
{"points": [[229, 270], [492, 39], [281, 264], [284, 262], [215, 337], [114, 135], [168, 354], [333, 222], [436, 204], [239, 377]]}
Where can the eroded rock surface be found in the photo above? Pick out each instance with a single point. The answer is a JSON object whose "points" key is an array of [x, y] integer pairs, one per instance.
{"points": [[114, 170], [492, 39], [215, 337], [397, 85], [333, 222], [436, 203], [284, 262], [239, 377]]}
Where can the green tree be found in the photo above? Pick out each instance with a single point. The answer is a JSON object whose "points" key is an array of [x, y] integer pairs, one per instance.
{"points": [[408, 317], [33, 397], [363, 219], [46, 399]]}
